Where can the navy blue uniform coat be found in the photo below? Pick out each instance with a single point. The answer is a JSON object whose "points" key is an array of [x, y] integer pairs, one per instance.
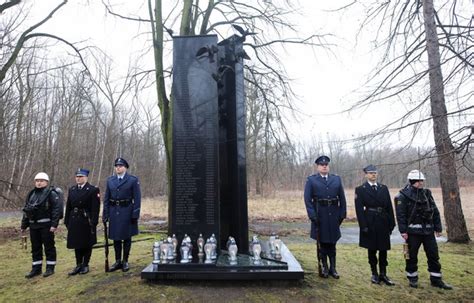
{"points": [[379, 224], [328, 218], [120, 217]]}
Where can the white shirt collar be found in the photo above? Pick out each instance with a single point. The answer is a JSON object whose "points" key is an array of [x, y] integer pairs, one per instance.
{"points": [[372, 184]]}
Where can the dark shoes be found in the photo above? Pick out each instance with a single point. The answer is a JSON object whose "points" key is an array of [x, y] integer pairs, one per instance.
{"points": [[324, 273], [79, 269], [333, 273], [125, 266], [33, 273], [440, 284], [413, 283], [385, 279], [324, 268], [84, 270], [375, 278], [116, 266], [49, 271], [332, 267], [75, 271]]}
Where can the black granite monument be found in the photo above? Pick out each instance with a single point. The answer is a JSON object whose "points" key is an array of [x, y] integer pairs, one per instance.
{"points": [[209, 190]]}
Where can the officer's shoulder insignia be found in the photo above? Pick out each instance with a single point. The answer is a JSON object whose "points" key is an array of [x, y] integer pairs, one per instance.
{"points": [[398, 202]]}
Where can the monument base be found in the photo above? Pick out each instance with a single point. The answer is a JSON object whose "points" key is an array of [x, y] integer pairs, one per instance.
{"points": [[287, 268]]}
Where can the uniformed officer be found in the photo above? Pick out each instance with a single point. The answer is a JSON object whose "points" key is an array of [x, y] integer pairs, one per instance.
{"points": [[82, 214], [122, 209], [42, 212], [326, 206], [418, 221], [376, 222]]}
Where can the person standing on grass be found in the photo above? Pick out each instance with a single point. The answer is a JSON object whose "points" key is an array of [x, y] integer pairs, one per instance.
{"points": [[42, 212], [325, 203], [82, 215], [419, 221], [122, 209], [376, 222]]}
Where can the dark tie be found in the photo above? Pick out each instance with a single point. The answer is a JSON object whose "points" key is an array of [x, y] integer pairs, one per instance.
{"points": [[325, 178], [80, 187], [374, 187]]}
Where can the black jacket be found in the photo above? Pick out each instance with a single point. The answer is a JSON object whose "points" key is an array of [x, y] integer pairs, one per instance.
{"points": [[82, 215], [417, 212], [43, 208], [375, 216]]}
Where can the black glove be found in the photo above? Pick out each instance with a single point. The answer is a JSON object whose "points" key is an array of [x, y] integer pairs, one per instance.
{"points": [[105, 219], [365, 230], [134, 220]]}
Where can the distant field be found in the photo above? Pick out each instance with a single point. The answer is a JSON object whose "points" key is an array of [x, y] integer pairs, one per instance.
{"points": [[289, 206]]}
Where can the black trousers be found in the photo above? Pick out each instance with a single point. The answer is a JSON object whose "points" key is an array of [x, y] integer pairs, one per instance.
{"points": [[431, 250], [42, 237], [127, 245], [382, 260], [328, 249], [83, 255]]}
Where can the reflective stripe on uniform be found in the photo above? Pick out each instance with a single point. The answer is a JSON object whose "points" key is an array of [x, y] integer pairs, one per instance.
{"points": [[50, 262], [413, 274], [419, 226], [435, 274], [37, 262], [43, 220]]}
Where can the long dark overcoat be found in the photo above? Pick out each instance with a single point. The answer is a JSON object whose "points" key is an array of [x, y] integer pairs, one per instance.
{"points": [[82, 214], [120, 217], [379, 223], [326, 218]]}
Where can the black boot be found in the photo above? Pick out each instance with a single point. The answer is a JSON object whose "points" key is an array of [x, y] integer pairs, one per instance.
{"points": [[49, 271], [324, 269], [413, 282], [76, 270], [375, 276], [438, 282], [84, 269], [117, 265], [332, 267], [384, 278], [125, 266], [35, 271]]}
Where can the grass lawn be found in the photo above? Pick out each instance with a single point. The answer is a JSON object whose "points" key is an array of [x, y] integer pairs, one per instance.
{"points": [[354, 285]]}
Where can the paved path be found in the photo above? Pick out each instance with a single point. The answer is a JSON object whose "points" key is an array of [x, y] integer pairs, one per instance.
{"points": [[350, 234]]}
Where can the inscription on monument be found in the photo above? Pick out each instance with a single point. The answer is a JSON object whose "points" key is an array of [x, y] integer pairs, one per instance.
{"points": [[195, 206]]}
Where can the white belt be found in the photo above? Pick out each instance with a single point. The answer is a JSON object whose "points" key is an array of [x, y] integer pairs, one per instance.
{"points": [[41, 220], [419, 226]]}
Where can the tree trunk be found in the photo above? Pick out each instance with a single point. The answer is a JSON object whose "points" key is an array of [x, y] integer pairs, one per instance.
{"points": [[456, 224]]}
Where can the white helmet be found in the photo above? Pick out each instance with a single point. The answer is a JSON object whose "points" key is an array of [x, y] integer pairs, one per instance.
{"points": [[42, 176], [415, 175]]}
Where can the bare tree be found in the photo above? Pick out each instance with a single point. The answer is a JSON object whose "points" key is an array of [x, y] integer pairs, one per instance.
{"points": [[409, 37]]}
